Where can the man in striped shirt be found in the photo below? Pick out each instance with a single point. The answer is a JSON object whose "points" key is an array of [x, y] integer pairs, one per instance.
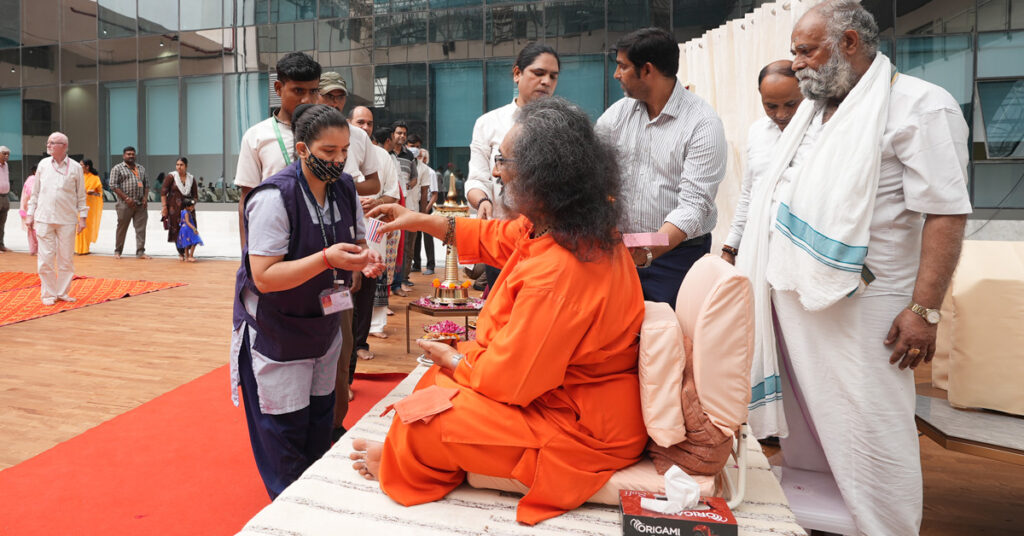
{"points": [[672, 153]]}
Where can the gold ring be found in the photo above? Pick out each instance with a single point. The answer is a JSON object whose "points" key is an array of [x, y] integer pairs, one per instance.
{"points": [[914, 352]]}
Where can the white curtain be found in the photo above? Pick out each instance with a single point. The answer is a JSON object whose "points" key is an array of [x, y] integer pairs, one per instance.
{"points": [[721, 67]]}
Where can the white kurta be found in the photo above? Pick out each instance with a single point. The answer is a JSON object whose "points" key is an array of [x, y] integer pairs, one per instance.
{"points": [[57, 203], [488, 132], [761, 138], [848, 409]]}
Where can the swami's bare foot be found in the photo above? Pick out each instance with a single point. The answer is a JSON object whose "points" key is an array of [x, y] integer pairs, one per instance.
{"points": [[367, 455]]}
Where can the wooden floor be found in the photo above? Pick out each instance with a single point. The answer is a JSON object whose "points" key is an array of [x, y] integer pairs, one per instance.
{"points": [[69, 372]]}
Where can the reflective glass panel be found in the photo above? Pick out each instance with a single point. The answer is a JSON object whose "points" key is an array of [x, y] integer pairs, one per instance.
{"points": [[202, 14], [10, 67], [203, 100], [40, 118], [39, 65], [117, 59], [993, 15], [292, 10], [408, 5], [119, 120], [508, 28], [946, 61], [333, 8], [578, 78], [10, 127], [78, 62], [1016, 14], [81, 120], [10, 27], [160, 148], [613, 87], [1002, 108], [628, 15], [116, 18], [691, 18], [933, 17], [202, 51], [500, 87], [78, 20], [998, 185], [158, 56], [1001, 54], [246, 102], [457, 101], [403, 89], [574, 26], [158, 16], [436, 4], [38, 27], [456, 33]]}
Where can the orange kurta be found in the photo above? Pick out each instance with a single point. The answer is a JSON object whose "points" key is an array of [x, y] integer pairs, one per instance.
{"points": [[548, 390], [94, 200]]}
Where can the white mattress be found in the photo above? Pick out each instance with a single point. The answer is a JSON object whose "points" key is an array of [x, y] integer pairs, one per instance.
{"points": [[331, 497]]}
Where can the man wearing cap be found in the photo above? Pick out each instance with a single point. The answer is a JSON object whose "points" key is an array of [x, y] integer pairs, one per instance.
{"points": [[361, 163]]}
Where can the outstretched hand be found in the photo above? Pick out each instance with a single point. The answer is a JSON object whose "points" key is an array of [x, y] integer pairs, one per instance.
{"points": [[395, 217]]}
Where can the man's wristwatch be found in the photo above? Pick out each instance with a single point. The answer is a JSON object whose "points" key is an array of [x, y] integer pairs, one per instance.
{"points": [[456, 359], [932, 316], [650, 258]]}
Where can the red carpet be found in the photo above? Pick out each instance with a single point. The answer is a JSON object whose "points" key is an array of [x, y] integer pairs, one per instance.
{"points": [[177, 465], [20, 295]]}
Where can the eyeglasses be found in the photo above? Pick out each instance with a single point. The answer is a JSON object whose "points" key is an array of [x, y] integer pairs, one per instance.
{"points": [[501, 161], [49, 143]]}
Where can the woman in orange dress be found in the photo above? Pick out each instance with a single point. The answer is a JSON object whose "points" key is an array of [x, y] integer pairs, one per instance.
{"points": [[548, 392], [94, 199]]}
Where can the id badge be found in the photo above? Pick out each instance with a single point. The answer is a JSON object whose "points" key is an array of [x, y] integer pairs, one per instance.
{"points": [[139, 183], [335, 300]]}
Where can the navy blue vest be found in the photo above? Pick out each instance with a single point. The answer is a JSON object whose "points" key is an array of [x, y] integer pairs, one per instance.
{"points": [[290, 324]]}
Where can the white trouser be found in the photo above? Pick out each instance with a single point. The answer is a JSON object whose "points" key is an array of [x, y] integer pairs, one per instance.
{"points": [[55, 258], [851, 412], [379, 319]]}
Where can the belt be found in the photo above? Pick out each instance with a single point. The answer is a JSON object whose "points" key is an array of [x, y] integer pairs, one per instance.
{"points": [[697, 241]]}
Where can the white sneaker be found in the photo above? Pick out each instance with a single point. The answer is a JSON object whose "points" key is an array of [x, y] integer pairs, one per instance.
{"points": [[67, 298], [49, 301]]}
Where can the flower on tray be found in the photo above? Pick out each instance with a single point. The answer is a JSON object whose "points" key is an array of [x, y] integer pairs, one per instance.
{"points": [[437, 283], [445, 326]]}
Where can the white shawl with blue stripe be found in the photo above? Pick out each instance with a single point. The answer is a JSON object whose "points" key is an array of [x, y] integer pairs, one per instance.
{"points": [[823, 224]]}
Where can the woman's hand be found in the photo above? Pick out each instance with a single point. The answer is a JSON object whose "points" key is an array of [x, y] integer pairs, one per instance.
{"points": [[345, 256], [439, 352], [375, 267]]}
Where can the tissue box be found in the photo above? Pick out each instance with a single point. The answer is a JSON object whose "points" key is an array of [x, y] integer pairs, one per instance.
{"points": [[718, 521]]}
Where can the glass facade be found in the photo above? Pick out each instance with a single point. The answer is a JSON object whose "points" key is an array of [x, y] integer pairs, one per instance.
{"points": [[188, 77]]}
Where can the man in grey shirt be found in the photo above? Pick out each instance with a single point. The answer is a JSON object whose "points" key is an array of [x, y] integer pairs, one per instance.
{"points": [[672, 153], [128, 181]]}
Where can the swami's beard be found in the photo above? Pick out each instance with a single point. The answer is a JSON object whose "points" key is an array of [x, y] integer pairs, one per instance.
{"points": [[833, 80]]}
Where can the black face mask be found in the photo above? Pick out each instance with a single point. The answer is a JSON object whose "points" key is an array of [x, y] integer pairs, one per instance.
{"points": [[324, 170]]}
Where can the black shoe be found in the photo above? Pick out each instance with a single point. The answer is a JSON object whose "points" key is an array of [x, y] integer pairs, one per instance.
{"points": [[414, 269], [337, 433]]}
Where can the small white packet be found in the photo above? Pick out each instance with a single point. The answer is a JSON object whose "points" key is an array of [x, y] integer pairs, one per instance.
{"points": [[681, 491]]}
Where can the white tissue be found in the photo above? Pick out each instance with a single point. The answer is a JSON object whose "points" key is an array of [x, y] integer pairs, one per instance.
{"points": [[681, 490]]}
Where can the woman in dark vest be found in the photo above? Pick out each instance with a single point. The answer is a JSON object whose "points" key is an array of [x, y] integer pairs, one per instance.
{"points": [[304, 236]]}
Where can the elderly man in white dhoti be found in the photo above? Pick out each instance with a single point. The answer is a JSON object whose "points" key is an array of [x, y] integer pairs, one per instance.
{"points": [[852, 238]]}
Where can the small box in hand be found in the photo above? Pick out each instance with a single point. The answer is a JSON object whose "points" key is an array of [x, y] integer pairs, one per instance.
{"points": [[716, 520]]}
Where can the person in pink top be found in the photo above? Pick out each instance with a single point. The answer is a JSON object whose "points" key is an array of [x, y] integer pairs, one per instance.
{"points": [[26, 193]]}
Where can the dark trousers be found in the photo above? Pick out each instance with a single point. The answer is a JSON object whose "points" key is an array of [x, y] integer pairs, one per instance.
{"points": [[402, 275], [492, 274], [428, 248], [5, 205], [362, 313], [662, 279], [284, 445], [137, 216]]}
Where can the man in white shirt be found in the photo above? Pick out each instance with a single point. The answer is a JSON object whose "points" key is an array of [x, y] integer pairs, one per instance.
{"points": [[57, 210], [427, 186], [364, 299], [780, 97], [846, 362], [269, 146], [672, 154], [360, 162], [5, 190]]}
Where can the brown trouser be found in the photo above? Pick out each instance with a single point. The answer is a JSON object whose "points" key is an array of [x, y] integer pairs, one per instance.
{"points": [[138, 216]]}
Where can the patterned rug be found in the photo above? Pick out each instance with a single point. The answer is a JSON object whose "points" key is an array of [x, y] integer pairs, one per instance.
{"points": [[20, 294]]}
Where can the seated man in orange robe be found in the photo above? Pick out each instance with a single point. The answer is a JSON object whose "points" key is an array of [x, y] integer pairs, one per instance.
{"points": [[548, 392]]}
